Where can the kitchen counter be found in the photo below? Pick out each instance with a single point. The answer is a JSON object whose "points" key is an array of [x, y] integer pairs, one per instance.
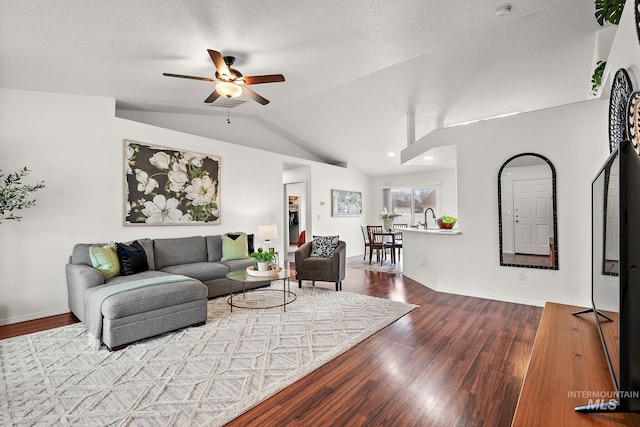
{"points": [[430, 256], [429, 231]]}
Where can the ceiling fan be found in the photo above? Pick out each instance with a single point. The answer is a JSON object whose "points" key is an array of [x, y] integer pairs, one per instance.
{"points": [[229, 81]]}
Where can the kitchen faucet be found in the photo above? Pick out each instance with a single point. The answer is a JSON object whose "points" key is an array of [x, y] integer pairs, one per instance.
{"points": [[433, 215]]}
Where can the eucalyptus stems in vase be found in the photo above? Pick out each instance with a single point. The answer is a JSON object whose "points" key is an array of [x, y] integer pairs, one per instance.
{"points": [[15, 195]]}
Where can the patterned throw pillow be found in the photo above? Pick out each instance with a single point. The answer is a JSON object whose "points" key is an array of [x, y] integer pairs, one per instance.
{"points": [[324, 246]]}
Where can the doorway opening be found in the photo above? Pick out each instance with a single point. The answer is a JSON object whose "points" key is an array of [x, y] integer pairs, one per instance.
{"points": [[296, 215]]}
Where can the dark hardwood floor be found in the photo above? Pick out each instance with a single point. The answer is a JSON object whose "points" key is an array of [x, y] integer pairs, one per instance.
{"points": [[23, 328], [454, 361]]}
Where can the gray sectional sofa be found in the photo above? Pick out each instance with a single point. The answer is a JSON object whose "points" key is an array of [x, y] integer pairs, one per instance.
{"points": [[194, 271]]}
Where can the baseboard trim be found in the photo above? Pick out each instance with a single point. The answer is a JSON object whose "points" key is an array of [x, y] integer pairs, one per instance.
{"points": [[503, 298], [482, 295], [33, 316]]}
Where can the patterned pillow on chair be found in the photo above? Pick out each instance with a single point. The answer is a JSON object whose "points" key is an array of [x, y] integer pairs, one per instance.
{"points": [[324, 246]]}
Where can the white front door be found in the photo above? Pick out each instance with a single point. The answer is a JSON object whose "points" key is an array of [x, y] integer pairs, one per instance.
{"points": [[532, 211]]}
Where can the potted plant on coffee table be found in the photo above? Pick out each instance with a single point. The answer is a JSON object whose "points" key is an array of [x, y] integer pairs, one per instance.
{"points": [[262, 259]]}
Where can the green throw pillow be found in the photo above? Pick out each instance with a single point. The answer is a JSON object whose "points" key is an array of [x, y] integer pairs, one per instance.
{"points": [[105, 260], [234, 249]]}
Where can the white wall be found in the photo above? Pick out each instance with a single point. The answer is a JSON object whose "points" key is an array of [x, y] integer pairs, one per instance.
{"points": [[241, 130], [321, 179], [324, 179], [75, 144], [574, 138], [625, 51]]}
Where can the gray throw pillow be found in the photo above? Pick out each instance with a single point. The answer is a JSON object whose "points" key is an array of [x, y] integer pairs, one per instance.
{"points": [[324, 246]]}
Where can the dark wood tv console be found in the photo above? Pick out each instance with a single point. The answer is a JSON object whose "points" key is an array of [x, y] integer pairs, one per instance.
{"points": [[567, 366]]}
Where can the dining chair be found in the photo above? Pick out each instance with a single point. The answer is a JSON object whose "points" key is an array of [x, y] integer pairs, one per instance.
{"points": [[377, 243], [398, 236], [365, 236]]}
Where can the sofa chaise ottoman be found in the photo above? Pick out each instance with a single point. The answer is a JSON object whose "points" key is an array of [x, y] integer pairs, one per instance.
{"points": [[171, 292]]}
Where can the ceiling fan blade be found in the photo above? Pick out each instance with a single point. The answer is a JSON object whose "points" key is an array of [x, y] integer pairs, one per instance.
{"points": [[214, 95], [182, 76], [251, 94], [269, 78], [218, 61]]}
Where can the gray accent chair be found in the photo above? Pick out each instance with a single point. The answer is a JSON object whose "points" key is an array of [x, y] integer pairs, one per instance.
{"points": [[321, 269]]}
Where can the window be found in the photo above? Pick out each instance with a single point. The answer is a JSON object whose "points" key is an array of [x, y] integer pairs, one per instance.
{"points": [[410, 203]]}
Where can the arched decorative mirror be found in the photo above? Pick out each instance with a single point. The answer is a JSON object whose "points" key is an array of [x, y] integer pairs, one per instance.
{"points": [[527, 212]]}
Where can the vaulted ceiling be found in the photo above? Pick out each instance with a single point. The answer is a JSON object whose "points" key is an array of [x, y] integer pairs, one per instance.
{"points": [[353, 68]]}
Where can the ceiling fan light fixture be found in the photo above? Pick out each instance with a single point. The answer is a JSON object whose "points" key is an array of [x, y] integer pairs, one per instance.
{"points": [[228, 89], [229, 82]]}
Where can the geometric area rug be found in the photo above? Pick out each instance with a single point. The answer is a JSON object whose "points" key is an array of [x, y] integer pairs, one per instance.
{"points": [[206, 375]]}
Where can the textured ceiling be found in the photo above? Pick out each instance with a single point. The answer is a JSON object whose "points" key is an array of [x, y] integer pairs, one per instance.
{"points": [[353, 68]]}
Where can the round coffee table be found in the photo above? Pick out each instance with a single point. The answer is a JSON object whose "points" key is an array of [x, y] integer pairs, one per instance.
{"points": [[242, 276]]}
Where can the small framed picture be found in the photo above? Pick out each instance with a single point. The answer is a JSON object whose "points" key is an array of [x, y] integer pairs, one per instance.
{"points": [[346, 203]]}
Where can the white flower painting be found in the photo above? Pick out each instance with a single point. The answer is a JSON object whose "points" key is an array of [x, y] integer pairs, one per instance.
{"points": [[168, 186]]}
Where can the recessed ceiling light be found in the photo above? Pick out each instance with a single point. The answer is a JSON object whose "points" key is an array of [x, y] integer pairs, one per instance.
{"points": [[503, 10], [427, 158], [391, 154]]}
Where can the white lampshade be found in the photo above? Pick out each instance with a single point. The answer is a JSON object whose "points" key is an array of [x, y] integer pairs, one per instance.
{"points": [[228, 89], [267, 232]]}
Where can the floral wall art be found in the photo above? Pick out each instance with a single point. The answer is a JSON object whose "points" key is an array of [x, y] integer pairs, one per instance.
{"points": [[169, 186]]}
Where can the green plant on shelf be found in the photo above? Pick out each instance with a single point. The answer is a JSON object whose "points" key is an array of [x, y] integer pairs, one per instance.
{"points": [[596, 78], [609, 11]]}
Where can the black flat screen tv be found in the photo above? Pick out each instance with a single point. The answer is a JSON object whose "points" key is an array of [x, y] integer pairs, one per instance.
{"points": [[615, 280]]}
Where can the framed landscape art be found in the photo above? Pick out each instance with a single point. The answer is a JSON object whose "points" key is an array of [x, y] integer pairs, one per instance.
{"points": [[346, 203], [166, 186]]}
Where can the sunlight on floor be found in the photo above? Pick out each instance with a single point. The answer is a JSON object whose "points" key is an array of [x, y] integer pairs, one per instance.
{"points": [[386, 267]]}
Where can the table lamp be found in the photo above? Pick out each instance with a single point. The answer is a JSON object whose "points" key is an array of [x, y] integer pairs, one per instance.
{"points": [[267, 233]]}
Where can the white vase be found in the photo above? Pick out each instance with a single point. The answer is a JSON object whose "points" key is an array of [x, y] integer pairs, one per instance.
{"points": [[263, 266], [387, 223]]}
